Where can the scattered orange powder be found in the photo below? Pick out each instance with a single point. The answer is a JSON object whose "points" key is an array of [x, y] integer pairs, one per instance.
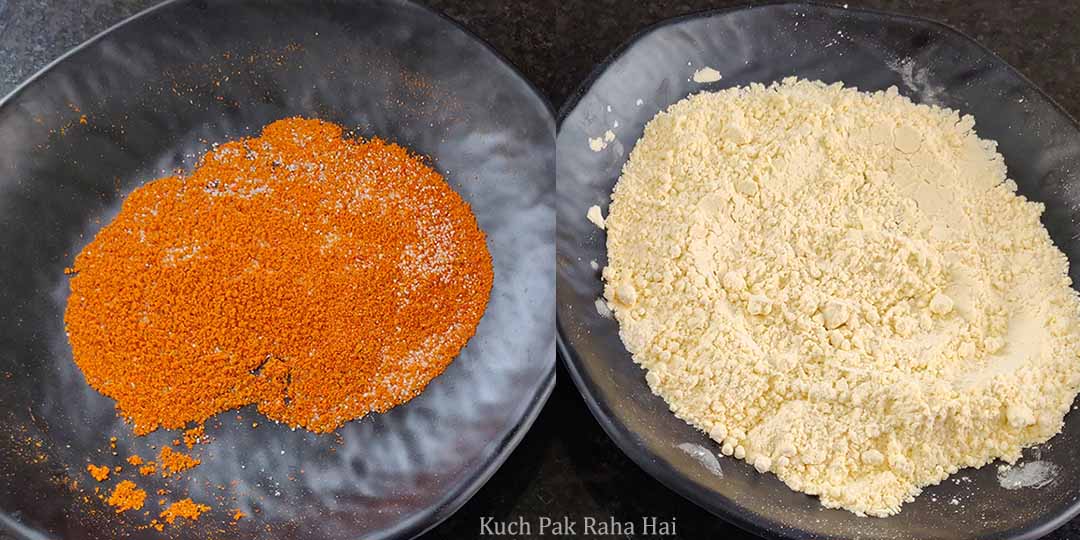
{"points": [[100, 473], [184, 508], [173, 462], [238, 515], [127, 497], [319, 277], [194, 435], [135, 460], [148, 469]]}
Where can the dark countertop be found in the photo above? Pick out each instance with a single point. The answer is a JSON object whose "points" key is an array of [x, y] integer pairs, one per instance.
{"points": [[566, 466]]}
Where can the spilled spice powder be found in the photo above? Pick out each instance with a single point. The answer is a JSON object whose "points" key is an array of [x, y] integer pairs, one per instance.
{"points": [[318, 277], [135, 460], [126, 496], [194, 435], [100, 473], [173, 462], [184, 508], [148, 469]]}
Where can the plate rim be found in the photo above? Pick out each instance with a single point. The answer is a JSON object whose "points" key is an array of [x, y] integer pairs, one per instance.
{"points": [[19, 88], [727, 509], [574, 98], [439, 512]]}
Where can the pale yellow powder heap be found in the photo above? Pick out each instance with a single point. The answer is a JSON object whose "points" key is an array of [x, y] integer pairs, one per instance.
{"points": [[841, 288]]}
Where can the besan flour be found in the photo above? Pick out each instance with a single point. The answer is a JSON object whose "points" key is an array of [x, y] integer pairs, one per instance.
{"points": [[841, 288]]}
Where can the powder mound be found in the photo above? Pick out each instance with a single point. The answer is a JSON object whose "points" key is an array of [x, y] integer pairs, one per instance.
{"points": [[319, 277], [841, 288]]}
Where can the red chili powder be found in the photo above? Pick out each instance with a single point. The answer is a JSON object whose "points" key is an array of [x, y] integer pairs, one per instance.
{"points": [[319, 277]]}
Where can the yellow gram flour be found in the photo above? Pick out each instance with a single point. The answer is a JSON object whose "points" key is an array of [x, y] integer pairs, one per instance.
{"points": [[841, 288]]}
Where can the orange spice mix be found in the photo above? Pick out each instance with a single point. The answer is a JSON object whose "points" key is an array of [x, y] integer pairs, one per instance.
{"points": [[184, 508], [194, 435], [319, 277], [126, 496], [173, 462], [99, 473]]}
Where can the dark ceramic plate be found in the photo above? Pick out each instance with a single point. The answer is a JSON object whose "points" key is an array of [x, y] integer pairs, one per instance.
{"points": [[149, 96], [929, 63]]}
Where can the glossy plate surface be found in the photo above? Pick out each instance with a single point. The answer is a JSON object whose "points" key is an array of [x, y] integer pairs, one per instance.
{"points": [[928, 62], [148, 97]]}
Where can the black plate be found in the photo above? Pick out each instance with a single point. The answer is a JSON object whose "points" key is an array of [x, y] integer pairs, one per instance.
{"points": [[929, 63], [150, 96]]}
